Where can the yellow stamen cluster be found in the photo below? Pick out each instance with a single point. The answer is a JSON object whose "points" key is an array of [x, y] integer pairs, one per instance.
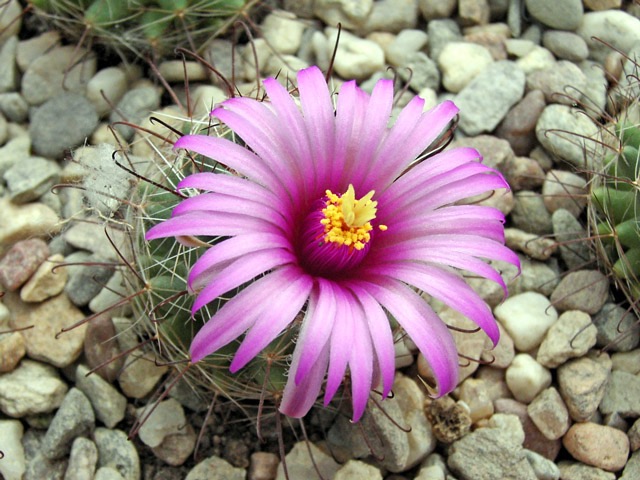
{"points": [[347, 221]]}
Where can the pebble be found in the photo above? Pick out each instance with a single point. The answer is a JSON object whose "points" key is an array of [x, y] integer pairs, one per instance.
{"points": [[86, 280], [357, 470], [39, 466], [11, 19], [563, 189], [613, 27], [91, 236], [160, 420], [502, 355], [11, 345], [562, 83], [485, 101], [597, 445], [523, 173], [434, 9], [526, 317], [263, 466], [45, 340], [539, 58], [496, 153], [626, 361], [474, 12], [375, 432], [595, 94], [391, 16], [634, 436], [617, 328], [475, 395], [535, 277], [12, 466], [73, 419], [565, 45], [602, 4], [565, 15], [52, 75], [282, 31], [108, 404], [534, 440], [404, 44], [34, 47], [572, 239], [420, 72], [61, 123], [441, 32], [14, 107], [489, 453], [526, 378], [106, 88], [356, 57], [531, 215], [351, 14], [300, 465], [21, 262], [15, 150], [580, 471], [622, 395], [8, 67], [140, 375], [107, 473], [549, 413], [133, 107], [117, 452], [632, 468], [544, 468], [584, 290], [31, 179], [45, 282], [31, 389], [461, 62], [531, 244], [176, 448], [570, 337], [82, 460], [101, 348], [582, 383], [518, 126]]}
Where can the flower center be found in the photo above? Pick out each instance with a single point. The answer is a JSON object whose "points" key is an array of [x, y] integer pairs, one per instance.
{"points": [[336, 235]]}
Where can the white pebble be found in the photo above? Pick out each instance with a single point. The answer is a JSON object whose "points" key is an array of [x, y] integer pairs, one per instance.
{"points": [[526, 378]]}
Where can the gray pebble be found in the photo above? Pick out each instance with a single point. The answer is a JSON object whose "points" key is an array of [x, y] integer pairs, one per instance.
{"points": [[117, 452], [622, 395], [580, 471], [421, 72], [14, 107], [584, 290], [82, 460], [108, 473], [485, 101], [618, 329], [108, 404], [562, 83], [134, 106], [61, 123], [433, 9], [73, 419], [14, 151], [564, 15], [40, 467], [350, 13], [594, 95], [29, 179], [8, 67], [544, 468], [560, 129], [406, 42], [391, 16], [530, 213], [86, 281], [613, 27], [541, 277], [440, 33], [582, 383], [572, 237], [565, 45]]}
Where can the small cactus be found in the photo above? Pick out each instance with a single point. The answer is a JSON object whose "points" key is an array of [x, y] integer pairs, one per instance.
{"points": [[140, 26]]}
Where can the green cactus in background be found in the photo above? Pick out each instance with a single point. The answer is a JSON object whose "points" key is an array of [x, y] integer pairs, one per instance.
{"points": [[615, 200], [141, 26]]}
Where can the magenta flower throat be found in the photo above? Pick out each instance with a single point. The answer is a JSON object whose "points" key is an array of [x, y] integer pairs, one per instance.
{"points": [[326, 217]]}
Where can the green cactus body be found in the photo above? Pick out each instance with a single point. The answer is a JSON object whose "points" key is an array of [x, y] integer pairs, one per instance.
{"points": [[142, 25]]}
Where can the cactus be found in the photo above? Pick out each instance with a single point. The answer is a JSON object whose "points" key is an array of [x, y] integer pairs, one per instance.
{"points": [[615, 193], [140, 26]]}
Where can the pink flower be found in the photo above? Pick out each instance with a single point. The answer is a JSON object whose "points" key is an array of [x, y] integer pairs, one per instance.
{"points": [[327, 217]]}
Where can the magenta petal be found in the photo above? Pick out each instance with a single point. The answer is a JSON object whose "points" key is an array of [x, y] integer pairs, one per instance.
{"points": [[424, 327], [240, 271], [340, 343], [381, 335], [282, 309], [212, 224], [360, 362], [298, 398], [316, 327], [229, 185], [238, 314]]}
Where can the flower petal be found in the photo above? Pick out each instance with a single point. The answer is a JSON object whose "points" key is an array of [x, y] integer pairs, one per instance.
{"points": [[423, 326], [341, 343], [282, 309], [229, 185], [360, 362], [212, 224]]}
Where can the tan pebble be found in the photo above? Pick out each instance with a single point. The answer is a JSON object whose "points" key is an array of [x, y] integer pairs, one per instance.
{"points": [[46, 282], [597, 445], [264, 466]]}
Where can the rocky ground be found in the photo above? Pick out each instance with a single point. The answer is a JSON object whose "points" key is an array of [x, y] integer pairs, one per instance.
{"points": [[548, 403]]}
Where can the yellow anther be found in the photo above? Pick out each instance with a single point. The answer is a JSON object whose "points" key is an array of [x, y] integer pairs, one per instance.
{"points": [[347, 220]]}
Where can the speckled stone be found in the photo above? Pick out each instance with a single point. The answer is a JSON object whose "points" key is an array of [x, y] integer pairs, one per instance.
{"points": [[597, 445]]}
